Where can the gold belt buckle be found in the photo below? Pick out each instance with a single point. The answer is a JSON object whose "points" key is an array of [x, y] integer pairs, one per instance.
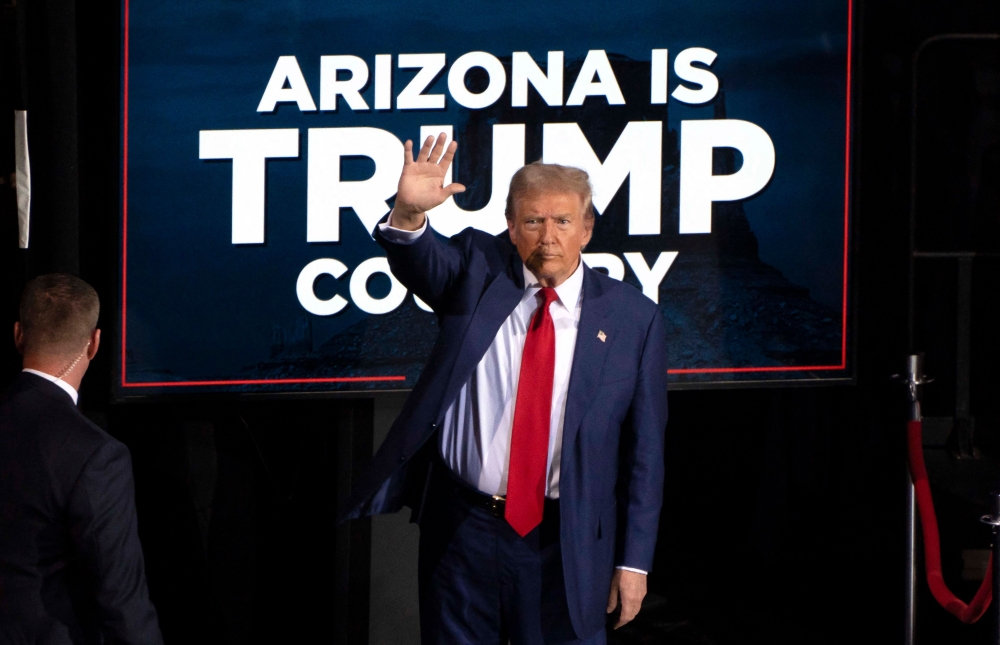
{"points": [[497, 503]]}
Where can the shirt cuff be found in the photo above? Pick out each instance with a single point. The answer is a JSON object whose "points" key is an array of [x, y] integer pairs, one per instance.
{"points": [[633, 570], [398, 235]]}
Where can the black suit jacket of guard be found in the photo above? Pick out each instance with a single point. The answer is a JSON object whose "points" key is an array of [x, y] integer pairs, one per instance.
{"points": [[71, 566]]}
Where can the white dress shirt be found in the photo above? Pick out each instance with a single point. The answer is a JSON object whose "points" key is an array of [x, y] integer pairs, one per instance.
{"points": [[69, 389], [476, 430]]}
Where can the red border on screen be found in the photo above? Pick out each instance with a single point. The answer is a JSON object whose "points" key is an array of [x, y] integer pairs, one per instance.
{"points": [[372, 379]]}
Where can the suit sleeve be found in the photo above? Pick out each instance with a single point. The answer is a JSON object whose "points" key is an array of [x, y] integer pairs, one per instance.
{"points": [[426, 266], [641, 479], [103, 530]]}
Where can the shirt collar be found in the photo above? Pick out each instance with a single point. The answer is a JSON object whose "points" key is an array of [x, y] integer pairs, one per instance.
{"points": [[568, 293], [69, 389]]}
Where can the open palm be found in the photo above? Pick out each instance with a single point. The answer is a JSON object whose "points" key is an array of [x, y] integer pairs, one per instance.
{"points": [[421, 186]]}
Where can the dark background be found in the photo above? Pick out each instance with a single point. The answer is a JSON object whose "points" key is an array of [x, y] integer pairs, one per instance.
{"points": [[784, 514]]}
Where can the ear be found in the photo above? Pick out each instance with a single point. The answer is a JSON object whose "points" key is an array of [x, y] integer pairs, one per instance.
{"points": [[512, 230], [588, 233], [19, 338], [95, 342]]}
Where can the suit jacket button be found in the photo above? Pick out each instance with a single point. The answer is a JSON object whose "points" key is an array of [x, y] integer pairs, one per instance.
{"points": [[402, 459]]}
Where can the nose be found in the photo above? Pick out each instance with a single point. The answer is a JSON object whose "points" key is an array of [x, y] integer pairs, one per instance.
{"points": [[548, 231]]}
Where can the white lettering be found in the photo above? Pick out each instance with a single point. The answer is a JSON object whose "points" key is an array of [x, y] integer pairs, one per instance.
{"points": [[423, 305], [548, 84], [249, 150], [350, 89], [636, 154], [699, 187], [609, 261], [412, 96], [359, 288], [456, 80], [508, 156], [383, 81], [596, 63], [327, 194], [305, 287], [650, 278], [286, 69], [658, 77], [684, 68]]}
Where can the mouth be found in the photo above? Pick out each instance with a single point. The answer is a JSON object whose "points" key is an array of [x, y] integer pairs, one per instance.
{"points": [[541, 258]]}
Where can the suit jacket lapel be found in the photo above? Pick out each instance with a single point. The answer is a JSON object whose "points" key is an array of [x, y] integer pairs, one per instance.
{"points": [[497, 302], [588, 358]]}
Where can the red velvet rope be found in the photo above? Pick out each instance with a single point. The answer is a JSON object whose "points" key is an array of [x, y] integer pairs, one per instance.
{"points": [[932, 545]]}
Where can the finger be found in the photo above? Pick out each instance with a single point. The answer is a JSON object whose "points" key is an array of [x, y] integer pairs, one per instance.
{"points": [[425, 150], [613, 598], [454, 189], [438, 148], [449, 154], [629, 611], [407, 153]]}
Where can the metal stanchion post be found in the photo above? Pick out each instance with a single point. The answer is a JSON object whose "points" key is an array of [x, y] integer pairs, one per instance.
{"points": [[911, 561], [994, 519], [914, 379]]}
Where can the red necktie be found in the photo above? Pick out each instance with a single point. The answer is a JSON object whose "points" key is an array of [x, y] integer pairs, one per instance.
{"points": [[529, 441]]}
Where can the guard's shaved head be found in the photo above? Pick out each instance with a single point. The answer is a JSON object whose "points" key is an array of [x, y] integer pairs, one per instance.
{"points": [[58, 314]]}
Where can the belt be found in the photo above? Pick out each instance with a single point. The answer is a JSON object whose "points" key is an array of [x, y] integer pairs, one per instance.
{"points": [[495, 504]]}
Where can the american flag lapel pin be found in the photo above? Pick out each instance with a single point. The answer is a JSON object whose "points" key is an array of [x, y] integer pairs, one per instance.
{"points": [[602, 336]]}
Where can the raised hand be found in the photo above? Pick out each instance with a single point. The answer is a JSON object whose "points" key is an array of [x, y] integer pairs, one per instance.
{"points": [[421, 186]]}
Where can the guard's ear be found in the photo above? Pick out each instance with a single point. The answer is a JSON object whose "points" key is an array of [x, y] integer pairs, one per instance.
{"points": [[95, 342], [19, 338]]}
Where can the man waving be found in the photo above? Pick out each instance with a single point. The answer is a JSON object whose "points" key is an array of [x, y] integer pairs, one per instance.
{"points": [[531, 448]]}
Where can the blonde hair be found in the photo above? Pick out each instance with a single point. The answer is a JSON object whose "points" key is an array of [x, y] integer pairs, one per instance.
{"points": [[538, 177]]}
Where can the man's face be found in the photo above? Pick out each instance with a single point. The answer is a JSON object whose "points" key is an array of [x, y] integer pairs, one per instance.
{"points": [[549, 232]]}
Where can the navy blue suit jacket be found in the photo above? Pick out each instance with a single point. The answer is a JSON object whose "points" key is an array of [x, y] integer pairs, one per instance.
{"points": [[611, 471], [71, 567]]}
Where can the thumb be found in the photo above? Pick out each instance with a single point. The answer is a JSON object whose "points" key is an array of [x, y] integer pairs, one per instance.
{"points": [[453, 189]]}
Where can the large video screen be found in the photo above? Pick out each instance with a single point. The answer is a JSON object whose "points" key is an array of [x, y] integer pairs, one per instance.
{"points": [[262, 142]]}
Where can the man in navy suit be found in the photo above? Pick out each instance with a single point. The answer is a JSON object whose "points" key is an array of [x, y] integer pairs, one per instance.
{"points": [[531, 448], [71, 566]]}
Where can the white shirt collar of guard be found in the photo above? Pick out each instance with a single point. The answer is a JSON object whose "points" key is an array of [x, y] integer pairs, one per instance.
{"points": [[69, 389]]}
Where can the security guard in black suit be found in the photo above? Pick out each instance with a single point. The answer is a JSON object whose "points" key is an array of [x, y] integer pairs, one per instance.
{"points": [[71, 566]]}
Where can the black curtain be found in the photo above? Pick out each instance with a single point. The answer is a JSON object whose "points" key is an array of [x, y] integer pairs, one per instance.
{"points": [[40, 76]]}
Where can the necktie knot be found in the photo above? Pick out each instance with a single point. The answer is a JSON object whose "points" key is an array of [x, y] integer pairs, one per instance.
{"points": [[548, 295]]}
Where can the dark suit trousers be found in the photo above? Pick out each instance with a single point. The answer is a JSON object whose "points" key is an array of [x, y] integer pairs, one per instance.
{"points": [[480, 582]]}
